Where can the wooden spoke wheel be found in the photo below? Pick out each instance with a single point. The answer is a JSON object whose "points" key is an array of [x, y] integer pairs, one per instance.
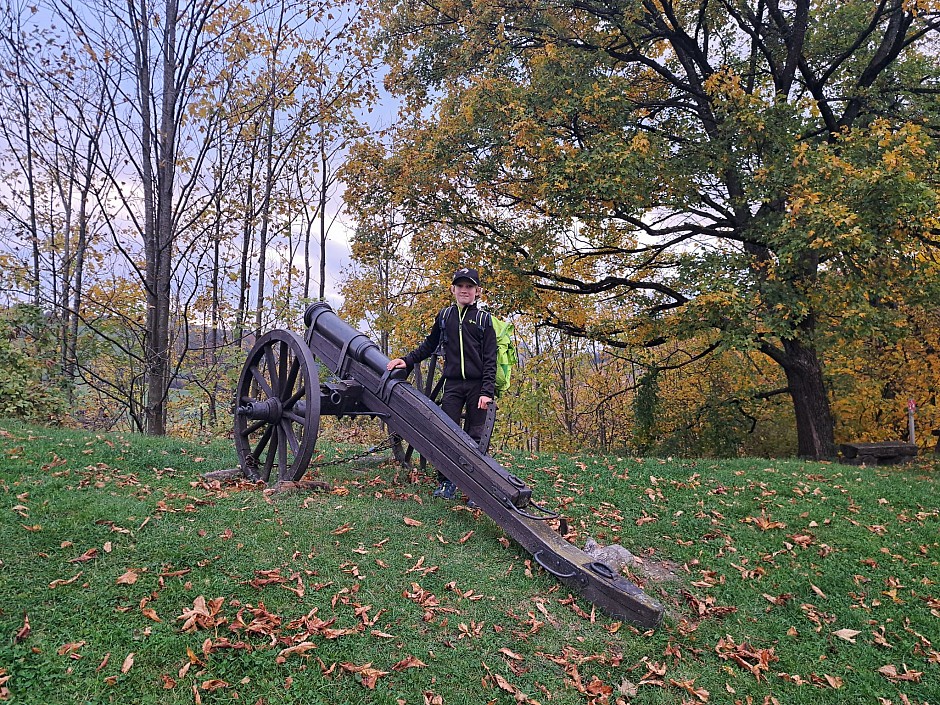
{"points": [[277, 408]]}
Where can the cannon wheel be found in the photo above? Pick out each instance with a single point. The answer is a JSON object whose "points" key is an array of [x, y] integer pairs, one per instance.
{"points": [[277, 408], [431, 387]]}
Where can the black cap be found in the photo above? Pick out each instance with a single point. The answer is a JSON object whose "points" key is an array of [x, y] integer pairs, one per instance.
{"points": [[466, 273]]}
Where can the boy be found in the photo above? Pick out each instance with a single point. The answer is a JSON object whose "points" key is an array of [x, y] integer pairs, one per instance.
{"points": [[464, 334]]}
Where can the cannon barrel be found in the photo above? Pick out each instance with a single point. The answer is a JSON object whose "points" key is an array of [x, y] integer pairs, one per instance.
{"points": [[506, 499]]}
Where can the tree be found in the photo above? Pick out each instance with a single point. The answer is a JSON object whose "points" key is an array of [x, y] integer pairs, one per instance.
{"points": [[171, 153], [746, 174]]}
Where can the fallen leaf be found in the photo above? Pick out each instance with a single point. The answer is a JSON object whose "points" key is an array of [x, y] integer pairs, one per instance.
{"points": [[628, 688], [409, 662], [70, 648], [24, 631], [127, 578], [128, 663], [689, 687], [892, 673], [202, 615], [366, 673], [413, 522], [298, 649], [88, 555], [847, 634], [150, 613]]}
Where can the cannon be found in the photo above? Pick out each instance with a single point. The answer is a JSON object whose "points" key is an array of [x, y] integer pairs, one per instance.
{"points": [[279, 402]]}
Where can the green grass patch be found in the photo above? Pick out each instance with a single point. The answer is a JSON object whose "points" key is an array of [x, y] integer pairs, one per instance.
{"points": [[127, 578]]}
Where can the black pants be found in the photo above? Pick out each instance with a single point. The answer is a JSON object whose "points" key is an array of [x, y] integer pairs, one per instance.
{"points": [[460, 395]]}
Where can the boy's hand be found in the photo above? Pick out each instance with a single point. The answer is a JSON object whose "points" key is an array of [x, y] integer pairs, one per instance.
{"points": [[485, 402], [395, 364]]}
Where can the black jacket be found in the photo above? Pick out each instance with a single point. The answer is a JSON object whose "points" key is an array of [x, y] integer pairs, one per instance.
{"points": [[474, 359]]}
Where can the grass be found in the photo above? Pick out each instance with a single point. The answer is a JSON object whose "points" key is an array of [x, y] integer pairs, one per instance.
{"points": [[794, 582]]}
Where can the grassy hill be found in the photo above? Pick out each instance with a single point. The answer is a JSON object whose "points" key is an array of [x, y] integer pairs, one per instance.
{"points": [[127, 578]]}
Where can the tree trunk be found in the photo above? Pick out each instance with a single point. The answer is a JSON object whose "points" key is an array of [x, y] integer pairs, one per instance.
{"points": [[159, 261], [78, 274], [265, 214], [33, 226], [244, 269], [324, 185], [151, 246], [815, 428]]}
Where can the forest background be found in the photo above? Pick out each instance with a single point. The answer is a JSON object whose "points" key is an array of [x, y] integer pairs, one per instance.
{"points": [[713, 224]]}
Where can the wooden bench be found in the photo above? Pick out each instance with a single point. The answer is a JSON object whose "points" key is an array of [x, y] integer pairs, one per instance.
{"points": [[885, 453]]}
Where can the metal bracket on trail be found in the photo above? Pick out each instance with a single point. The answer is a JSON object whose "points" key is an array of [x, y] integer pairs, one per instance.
{"points": [[278, 405]]}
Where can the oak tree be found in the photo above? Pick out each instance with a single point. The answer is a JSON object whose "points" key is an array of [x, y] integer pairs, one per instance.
{"points": [[735, 172]]}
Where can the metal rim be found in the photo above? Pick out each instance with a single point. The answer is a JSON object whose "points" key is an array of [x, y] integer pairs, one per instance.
{"points": [[277, 408]]}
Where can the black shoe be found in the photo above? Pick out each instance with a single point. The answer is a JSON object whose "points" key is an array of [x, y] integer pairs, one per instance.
{"points": [[446, 490]]}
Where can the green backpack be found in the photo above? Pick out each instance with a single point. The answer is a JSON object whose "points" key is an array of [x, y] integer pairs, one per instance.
{"points": [[505, 347], [505, 353]]}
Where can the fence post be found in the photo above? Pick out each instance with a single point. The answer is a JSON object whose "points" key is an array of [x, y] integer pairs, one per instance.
{"points": [[911, 406]]}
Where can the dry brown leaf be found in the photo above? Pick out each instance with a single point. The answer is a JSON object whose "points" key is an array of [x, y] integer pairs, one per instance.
{"points": [[298, 649], [70, 648], [128, 663], [88, 555], [892, 673], [847, 634], [628, 688], [23, 631], [127, 578], [150, 613], [413, 522], [368, 675], [689, 687], [58, 583], [409, 662], [214, 684]]}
